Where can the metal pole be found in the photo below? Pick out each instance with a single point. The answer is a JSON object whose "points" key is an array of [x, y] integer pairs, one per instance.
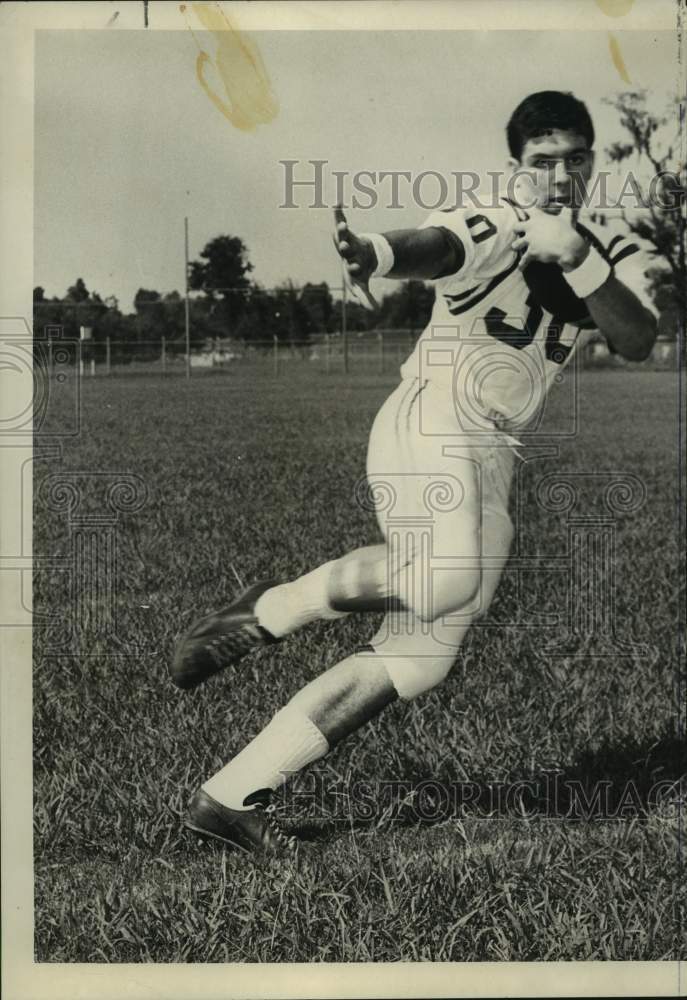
{"points": [[276, 354], [108, 356], [186, 304], [344, 329], [328, 351], [49, 357], [163, 354]]}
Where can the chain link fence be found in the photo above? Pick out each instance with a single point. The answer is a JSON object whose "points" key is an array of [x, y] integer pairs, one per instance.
{"points": [[378, 352], [374, 352]]}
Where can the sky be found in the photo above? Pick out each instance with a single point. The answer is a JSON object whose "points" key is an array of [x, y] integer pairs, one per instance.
{"points": [[127, 142]]}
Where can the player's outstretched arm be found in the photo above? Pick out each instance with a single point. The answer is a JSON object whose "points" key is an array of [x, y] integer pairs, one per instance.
{"points": [[403, 253]]}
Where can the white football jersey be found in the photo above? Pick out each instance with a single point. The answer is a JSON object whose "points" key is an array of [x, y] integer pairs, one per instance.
{"points": [[489, 342]]}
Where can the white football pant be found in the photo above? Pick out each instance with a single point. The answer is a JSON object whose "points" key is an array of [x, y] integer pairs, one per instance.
{"points": [[441, 499]]}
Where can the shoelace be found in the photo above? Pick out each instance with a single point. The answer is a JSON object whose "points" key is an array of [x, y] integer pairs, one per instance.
{"points": [[289, 842], [224, 647]]}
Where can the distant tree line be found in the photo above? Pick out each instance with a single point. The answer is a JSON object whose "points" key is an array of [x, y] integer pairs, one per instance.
{"points": [[225, 303]]}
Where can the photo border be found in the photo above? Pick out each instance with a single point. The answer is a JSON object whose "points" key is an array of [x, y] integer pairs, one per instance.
{"points": [[22, 978]]}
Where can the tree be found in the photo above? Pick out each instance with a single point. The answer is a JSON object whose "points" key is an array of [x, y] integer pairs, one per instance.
{"points": [[221, 275], [661, 179], [260, 317], [358, 318], [144, 296], [408, 307], [150, 315], [117, 328], [46, 312], [174, 317], [78, 291], [78, 308], [317, 301], [294, 321]]}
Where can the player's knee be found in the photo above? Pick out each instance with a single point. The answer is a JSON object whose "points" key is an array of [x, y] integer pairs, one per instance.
{"points": [[359, 579], [457, 591], [413, 676], [445, 592]]}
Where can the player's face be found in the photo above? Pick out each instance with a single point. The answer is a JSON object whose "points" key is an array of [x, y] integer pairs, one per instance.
{"points": [[560, 165]]}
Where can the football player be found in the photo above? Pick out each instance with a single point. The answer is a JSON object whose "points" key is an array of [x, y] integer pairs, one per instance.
{"points": [[518, 288]]}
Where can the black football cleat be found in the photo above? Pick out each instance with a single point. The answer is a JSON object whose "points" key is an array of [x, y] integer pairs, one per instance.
{"points": [[220, 639], [251, 830]]}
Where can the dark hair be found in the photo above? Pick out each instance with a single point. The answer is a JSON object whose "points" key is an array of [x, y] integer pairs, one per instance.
{"points": [[540, 113]]}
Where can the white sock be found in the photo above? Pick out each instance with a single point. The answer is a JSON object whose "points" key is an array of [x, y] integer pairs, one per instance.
{"points": [[288, 743], [285, 608]]}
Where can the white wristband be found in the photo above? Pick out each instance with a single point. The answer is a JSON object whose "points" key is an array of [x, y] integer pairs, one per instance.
{"points": [[590, 275], [383, 253]]}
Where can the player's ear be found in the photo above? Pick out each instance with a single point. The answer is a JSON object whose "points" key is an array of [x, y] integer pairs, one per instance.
{"points": [[512, 164]]}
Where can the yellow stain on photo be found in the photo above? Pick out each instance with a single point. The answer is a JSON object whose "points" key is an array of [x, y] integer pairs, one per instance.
{"points": [[248, 99]]}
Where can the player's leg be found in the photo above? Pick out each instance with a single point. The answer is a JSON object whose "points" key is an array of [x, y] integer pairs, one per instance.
{"points": [[416, 657], [360, 581], [318, 717], [404, 661], [470, 540], [230, 805], [406, 658]]}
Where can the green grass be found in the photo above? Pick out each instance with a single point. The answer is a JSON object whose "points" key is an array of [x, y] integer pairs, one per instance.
{"points": [[258, 474]]}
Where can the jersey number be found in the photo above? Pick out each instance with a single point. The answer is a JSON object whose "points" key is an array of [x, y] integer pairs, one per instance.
{"points": [[481, 228], [555, 350]]}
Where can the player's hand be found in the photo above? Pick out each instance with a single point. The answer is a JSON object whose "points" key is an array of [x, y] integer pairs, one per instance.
{"points": [[358, 255], [549, 238]]}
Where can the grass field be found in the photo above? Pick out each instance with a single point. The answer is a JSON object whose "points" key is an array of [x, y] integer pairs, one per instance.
{"points": [[259, 475]]}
